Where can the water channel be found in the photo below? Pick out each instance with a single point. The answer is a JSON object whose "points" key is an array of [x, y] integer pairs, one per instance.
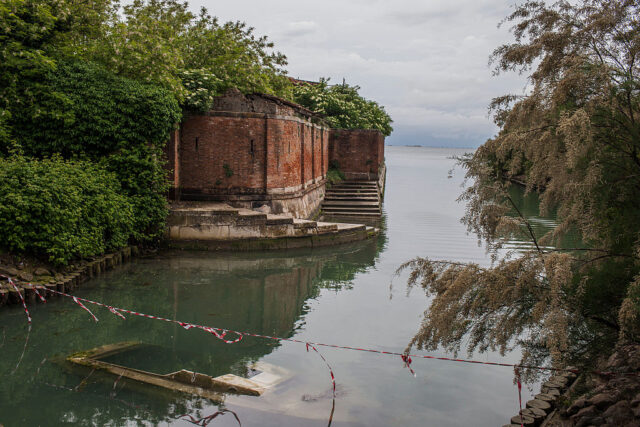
{"points": [[346, 295]]}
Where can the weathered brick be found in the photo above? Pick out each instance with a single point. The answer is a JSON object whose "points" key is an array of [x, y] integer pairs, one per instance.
{"points": [[358, 152]]}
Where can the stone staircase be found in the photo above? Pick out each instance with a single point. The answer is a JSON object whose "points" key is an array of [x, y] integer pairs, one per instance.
{"points": [[353, 199]]}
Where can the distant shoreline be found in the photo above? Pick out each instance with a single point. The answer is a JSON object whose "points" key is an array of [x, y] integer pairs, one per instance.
{"points": [[429, 146]]}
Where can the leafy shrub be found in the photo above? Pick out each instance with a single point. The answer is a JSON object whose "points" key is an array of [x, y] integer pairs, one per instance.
{"points": [[334, 176], [343, 106], [201, 87], [61, 209], [117, 122], [94, 113]]}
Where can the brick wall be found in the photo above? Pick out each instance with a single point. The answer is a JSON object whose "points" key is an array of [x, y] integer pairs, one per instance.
{"points": [[248, 148], [222, 155], [257, 149], [359, 153]]}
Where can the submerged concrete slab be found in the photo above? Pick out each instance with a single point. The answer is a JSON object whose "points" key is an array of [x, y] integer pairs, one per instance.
{"points": [[183, 381]]}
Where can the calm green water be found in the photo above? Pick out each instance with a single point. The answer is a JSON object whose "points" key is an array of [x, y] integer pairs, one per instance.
{"points": [[346, 296]]}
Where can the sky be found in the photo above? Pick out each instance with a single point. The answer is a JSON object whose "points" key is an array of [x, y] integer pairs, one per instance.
{"points": [[425, 61]]}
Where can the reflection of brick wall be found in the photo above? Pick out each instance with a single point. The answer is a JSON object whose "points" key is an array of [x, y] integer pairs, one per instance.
{"points": [[359, 153]]}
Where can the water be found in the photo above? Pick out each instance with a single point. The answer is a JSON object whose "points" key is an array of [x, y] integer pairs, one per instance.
{"points": [[346, 295]]}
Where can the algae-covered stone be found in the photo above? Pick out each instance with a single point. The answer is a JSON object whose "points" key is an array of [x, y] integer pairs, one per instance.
{"points": [[9, 271], [546, 397], [26, 276], [41, 272]]}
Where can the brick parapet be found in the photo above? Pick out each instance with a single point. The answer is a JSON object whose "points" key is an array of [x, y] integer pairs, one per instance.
{"points": [[359, 153]]}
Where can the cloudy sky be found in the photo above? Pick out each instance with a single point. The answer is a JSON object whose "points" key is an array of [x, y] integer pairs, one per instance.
{"points": [[426, 61]]}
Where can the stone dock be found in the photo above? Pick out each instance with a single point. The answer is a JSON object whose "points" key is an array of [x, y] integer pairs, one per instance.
{"points": [[218, 226]]}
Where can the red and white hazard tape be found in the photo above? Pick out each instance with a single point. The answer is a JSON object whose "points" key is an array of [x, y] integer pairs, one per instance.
{"points": [[221, 334], [24, 304]]}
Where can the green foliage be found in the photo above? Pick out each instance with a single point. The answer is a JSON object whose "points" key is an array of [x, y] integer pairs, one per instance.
{"points": [[228, 172], [343, 107], [26, 30], [93, 113], [61, 209], [161, 41], [201, 87], [143, 42], [334, 176], [235, 55], [117, 122]]}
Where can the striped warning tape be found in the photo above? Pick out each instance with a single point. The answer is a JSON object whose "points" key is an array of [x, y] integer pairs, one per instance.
{"points": [[220, 333]]}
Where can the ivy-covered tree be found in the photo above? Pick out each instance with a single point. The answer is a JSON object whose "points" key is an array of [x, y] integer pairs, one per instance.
{"points": [[26, 30], [342, 106], [117, 122], [575, 139]]}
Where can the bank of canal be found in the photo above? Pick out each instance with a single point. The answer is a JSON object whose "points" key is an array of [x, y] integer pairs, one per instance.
{"points": [[345, 295]]}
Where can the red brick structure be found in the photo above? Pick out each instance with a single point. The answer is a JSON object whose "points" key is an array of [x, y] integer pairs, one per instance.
{"points": [[358, 153], [249, 151]]}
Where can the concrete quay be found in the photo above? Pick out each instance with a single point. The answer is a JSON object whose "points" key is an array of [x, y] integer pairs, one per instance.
{"points": [[218, 226]]}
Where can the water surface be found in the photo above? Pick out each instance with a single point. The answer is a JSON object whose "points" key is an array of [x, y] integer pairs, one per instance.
{"points": [[346, 295]]}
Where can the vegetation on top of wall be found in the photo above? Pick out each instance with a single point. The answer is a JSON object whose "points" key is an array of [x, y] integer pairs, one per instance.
{"points": [[342, 106], [195, 56]]}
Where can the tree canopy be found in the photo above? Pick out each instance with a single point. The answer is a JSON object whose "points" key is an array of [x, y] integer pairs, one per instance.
{"points": [[574, 137], [342, 106], [161, 41]]}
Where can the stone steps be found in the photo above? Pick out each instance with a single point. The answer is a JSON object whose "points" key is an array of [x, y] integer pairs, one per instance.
{"points": [[352, 215], [351, 192], [330, 200], [351, 204], [358, 184], [353, 198]]}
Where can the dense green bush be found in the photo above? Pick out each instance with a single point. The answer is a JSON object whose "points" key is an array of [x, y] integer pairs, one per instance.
{"points": [[60, 210], [93, 113], [343, 107], [114, 121]]}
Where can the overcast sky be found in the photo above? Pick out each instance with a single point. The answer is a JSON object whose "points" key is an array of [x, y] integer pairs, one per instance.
{"points": [[425, 61]]}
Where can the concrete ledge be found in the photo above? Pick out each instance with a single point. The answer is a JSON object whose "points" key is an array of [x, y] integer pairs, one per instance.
{"points": [[204, 228]]}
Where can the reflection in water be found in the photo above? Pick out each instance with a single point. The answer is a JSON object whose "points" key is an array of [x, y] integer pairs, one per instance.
{"points": [[267, 295], [26, 343], [529, 206]]}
